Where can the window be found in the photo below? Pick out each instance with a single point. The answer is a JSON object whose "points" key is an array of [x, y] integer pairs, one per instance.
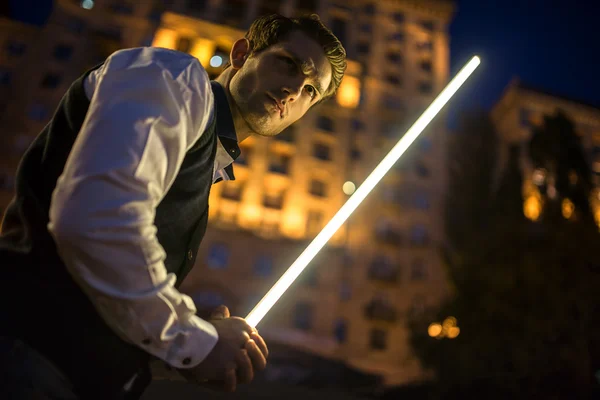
{"points": [[325, 123], [418, 270], [393, 103], [357, 125], [207, 299], [287, 135], [338, 26], [394, 57], [321, 152], [75, 25], [525, 117], [218, 256], [314, 222], [369, 9], [380, 309], [366, 28], [355, 154], [362, 48], [245, 153], [396, 37], [279, 163], [428, 25], [232, 191], [51, 81], [421, 201], [273, 200], [382, 269], [398, 17], [234, 12], [38, 112], [345, 291], [5, 76], [378, 339], [394, 80], [318, 188], [184, 44], [263, 266], [425, 144], [422, 170], [303, 316], [425, 87], [417, 306], [340, 330], [419, 235], [426, 66], [63, 52], [386, 232], [15, 49]]}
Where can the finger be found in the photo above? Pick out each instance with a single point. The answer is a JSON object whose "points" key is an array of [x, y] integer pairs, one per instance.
{"points": [[220, 312], [260, 342], [230, 381], [245, 372], [259, 362]]}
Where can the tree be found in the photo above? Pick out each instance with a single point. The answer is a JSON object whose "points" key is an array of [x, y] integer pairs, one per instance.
{"points": [[523, 291]]}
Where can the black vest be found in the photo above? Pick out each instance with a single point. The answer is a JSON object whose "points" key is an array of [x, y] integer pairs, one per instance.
{"points": [[43, 306]]}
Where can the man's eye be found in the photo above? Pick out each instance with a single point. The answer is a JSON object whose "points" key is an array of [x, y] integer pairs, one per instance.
{"points": [[311, 91]]}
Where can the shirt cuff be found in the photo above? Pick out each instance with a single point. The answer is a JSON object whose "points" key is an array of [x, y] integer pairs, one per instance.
{"points": [[202, 339]]}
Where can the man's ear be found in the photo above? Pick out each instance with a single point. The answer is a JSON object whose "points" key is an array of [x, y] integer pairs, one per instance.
{"points": [[239, 53]]}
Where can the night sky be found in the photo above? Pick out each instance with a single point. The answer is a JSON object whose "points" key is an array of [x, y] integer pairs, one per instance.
{"points": [[552, 44]]}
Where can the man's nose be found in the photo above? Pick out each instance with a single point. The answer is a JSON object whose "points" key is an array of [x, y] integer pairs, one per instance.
{"points": [[292, 90]]}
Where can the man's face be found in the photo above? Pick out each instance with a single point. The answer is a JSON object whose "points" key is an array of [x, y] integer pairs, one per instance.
{"points": [[276, 87]]}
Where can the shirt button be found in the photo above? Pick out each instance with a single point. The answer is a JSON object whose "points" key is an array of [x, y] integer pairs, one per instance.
{"points": [[190, 255], [186, 361]]}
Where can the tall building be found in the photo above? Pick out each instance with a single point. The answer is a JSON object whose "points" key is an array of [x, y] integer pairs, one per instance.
{"points": [[520, 109], [352, 303]]}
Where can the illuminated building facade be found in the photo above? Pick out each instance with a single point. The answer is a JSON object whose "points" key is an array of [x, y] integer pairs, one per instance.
{"points": [[522, 108], [353, 301]]}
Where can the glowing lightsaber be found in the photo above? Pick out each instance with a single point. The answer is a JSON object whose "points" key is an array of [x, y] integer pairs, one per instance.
{"points": [[286, 280]]}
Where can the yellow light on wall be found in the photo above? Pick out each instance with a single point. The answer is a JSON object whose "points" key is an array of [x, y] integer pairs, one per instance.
{"points": [[348, 94], [203, 50], [293, 223], [166, 38], [250, 215], [532, 208], [567, 208]]}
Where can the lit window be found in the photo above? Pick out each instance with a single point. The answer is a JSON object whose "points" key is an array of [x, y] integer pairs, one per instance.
{"points": [[318, 188], [348, 94], [322, 152], [218, 256], [263, 266], [325, 123], [378, 339], [87, 4], [340, 330], [303, 316]]}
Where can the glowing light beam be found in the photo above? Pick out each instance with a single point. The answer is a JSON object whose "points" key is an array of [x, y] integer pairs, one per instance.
{"points": [[286, 280]]}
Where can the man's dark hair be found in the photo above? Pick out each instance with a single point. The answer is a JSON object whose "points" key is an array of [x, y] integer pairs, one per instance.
{"points": [[271, 29]]}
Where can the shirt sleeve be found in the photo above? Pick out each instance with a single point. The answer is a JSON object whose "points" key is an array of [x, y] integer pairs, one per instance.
{"points": [[148, 108]]}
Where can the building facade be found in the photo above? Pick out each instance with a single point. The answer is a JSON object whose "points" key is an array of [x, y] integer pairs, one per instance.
{"points": [[352, 302], [520, 109]]}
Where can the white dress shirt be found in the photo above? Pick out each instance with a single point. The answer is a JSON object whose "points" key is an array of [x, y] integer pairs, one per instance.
{"points": [[148, 106]]}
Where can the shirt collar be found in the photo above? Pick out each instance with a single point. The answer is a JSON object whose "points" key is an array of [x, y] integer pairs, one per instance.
{"points": [[224, 126]]}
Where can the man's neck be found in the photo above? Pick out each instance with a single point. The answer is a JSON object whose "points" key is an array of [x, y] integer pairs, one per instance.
{"points": [[242, 130]]}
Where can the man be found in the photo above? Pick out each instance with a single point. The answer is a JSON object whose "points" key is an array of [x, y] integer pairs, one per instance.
{"points": [[111, 204]]}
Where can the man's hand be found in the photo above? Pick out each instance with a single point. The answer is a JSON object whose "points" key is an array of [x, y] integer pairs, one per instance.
{"points": [[239, 352]]}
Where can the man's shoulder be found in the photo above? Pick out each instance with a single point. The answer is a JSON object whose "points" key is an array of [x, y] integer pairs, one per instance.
{"points": [[175, 62]]}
